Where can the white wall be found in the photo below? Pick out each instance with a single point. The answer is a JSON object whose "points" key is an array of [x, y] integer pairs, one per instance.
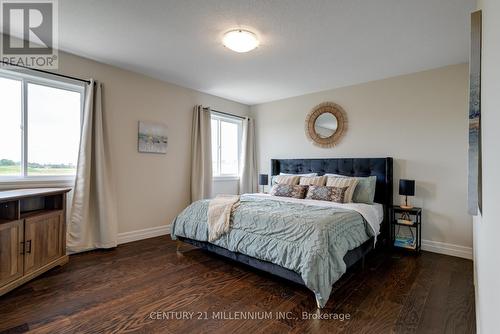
{"points": [[487, 227], [419, 119], [151, 189]]}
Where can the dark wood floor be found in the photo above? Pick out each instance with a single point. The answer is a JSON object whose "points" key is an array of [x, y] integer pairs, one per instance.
{"points": [[117, 291]]}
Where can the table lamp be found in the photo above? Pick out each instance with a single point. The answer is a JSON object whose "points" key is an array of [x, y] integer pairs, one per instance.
{"points": [[407, 188], [263, 180]]}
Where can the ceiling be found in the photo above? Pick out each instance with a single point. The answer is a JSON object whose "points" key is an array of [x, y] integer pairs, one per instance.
{"points": [[306, 46]]}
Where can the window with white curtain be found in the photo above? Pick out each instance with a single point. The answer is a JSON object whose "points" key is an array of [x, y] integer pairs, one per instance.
{"points": [[39, 126], [226, 145]]}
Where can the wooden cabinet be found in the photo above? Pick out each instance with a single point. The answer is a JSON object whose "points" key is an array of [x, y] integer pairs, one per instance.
{"points": [[43, 240], [32, 234], [11, 251]]}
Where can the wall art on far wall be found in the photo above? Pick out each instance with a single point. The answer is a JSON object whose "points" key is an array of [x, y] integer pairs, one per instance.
{"points": [[475, 178], [152, 137]]}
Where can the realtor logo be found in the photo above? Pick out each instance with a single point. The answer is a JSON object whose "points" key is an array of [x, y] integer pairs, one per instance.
{"points": [[29, 32]]}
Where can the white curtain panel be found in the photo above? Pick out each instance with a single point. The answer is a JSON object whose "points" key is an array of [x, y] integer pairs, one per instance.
{"points": [[93, 220], [248, 172], [201, 151]]}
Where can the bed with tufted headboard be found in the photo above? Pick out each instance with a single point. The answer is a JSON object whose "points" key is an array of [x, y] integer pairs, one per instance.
{"points": [[361, 167]]}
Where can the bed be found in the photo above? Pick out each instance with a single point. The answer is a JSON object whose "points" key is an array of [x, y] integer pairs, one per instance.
{"points": [[311, 244]]}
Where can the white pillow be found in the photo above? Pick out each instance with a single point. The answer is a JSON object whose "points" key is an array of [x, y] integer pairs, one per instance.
{"points": [[306, 175], [273, 178], [337, 175]]}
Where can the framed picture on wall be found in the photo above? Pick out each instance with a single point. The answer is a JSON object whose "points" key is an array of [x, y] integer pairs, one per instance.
{"points": [[152, 137], [475, 178]]}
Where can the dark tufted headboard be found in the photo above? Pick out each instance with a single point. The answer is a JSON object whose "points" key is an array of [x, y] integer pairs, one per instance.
{"points": [[380, 167]]}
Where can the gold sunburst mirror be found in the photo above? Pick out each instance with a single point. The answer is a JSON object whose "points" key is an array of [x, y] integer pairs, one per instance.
{"points": [[326, 124]]}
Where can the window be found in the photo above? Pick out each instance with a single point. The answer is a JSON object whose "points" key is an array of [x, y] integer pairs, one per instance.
{"points": [[39, 126], [226, 143]]}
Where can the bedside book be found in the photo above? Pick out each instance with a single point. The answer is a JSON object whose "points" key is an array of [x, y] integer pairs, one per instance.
{"points": [[405, 222], [405, 242]]}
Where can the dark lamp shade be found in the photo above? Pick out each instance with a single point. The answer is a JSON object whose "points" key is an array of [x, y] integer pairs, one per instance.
{"points": [[407, 187], [263, 180]]}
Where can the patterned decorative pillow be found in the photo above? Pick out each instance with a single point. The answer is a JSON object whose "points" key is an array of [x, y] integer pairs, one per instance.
{"points": [[326, 193], [313, 181], [348, 182], [289, 190], [286, 179]]}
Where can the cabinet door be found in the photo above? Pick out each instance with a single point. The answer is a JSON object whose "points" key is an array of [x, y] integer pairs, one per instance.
{"points": [[43, 240], [11, 248]]}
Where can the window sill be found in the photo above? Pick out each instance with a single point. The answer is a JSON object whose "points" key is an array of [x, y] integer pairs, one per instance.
{"points": [[44, 181], [225, 178]]}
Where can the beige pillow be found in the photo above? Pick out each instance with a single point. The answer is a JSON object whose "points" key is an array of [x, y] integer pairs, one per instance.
{"points": [[287, 179], [313, 181], [340, 182]]}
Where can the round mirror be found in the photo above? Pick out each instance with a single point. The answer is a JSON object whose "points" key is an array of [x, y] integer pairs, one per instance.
{"points": [[325, 125]]}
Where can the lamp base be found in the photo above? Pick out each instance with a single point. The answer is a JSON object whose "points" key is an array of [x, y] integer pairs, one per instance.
{"points": [[406, 206]]}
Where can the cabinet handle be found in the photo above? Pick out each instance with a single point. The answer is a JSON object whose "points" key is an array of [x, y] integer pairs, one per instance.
{"points": [[29, 247], [22, 247]]}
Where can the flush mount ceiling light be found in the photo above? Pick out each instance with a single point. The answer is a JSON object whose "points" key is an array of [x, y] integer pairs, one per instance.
{"points": [[240, 40]]}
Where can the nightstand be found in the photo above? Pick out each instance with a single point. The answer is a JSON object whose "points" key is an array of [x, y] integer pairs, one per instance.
{"points": [[406, 228]]}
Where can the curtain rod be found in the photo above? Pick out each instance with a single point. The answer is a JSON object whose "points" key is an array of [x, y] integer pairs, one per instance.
{"points": [[228, 114], [47, 72]]}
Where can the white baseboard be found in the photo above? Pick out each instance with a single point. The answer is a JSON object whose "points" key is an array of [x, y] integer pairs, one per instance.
{"points": [[427, 245], [447, 249], [146, 233]]}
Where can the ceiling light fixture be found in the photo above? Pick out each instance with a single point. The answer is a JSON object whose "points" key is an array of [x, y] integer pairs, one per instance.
{"points": [[240, 40]]}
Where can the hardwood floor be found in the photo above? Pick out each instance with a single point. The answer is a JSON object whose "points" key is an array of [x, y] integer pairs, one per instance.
{"points": [[128, 289]]}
